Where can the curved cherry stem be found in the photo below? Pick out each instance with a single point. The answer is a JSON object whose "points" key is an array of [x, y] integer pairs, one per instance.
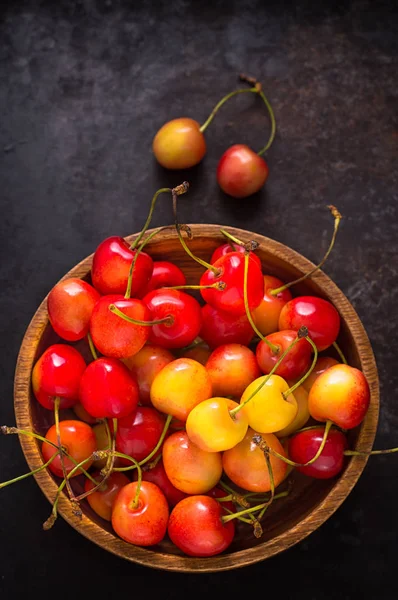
{"points": [[218, 285], [25, 475], [92, 347], [166, 320], [127, 295], [249, 246], [61, 456], [371, 453], [307, 374], [340, 353], [337, 218], [134, 504], [273, 347], [219, 104], [272, 484], [202, 262]]}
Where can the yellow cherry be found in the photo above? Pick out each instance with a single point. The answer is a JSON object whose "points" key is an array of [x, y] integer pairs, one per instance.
{"points": [[303, 413], [179, 144]]}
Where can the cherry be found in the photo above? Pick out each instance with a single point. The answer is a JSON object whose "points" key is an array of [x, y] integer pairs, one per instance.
{"points": [[231, 247], [218, 492], [266, 315], [77, 439], [219, 327], [102, 500], [108, 389], [102, 432], [197, 351], [57, 373], [184, 316], [340, 394], [302, 416], [322, 364], [189, 468], [318, 315], [70, 304], [139, 432], [232, 367], [164, 274], [179, 144], [196, 528], [305, 444], [158, 475], [141, 521], [241, 172], [295, 363], [145, 365], [83, 415]]}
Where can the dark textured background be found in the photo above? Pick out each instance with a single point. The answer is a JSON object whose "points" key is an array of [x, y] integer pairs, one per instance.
{"points": [[84, 86]]}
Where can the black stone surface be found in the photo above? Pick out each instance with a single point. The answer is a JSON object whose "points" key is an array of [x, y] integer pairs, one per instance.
{"points": [[84, 86]]}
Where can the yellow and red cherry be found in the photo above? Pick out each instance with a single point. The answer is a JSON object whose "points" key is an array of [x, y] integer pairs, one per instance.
{"points": [[322, 364], [102, 435], [83, 415], [139, 432], [211, 426], [295, 363], [57, 373], [231, 247], [196, 527], [102, 500], [179, 144], [303, 413], [179, 387], [271, 408], [70, 305], [266, 315], [304, 445], [189, 468], [246, 466], [141, 521], [184, 315], [145, 365], [241, 172], [164, 274], [158, 475], [220, 327], [114, 336], [77, 439], [232, 367], [199, 352], [340, 394], [318, 315], [230, 269], [108, 389]]}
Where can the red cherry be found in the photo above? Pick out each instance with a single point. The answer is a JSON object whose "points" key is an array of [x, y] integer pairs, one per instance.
{"points": [[295, 363], [57, 373], [266, 315], [231, 272], [70, 305], [196, 528], [139, 432], [158, 476], [227, 249], [219, 327], [111, 266], [304, 445], [77, 438], [241, 172], [146, 524], [185, 315], [102, 500], [108, 389], [319, 316], [164, 274], [112, 335]]}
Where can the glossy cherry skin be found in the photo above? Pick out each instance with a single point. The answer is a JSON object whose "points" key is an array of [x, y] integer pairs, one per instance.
{"points": [[241, 172], [111, 266], [139, 432], [228, 248], [158, 476], [179, 144], [319, 316], [70, 305], [296, 362], [196, 528], [79, 441], [266, 315], [201, 353], [232, 367], [231, 272], [220, 327], [340, 394], [108, 389], [145, 525], [303, 414], [185, 314], [112, 335], [57, 373], [145, 365], [322, 364], [164, 274], [304, 445], [102, 500], [190, 469]]}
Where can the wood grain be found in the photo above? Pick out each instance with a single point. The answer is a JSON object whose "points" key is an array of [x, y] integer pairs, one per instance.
{"points": [[289, 520]]}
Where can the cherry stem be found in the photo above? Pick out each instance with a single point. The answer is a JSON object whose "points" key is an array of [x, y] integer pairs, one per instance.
{"points": [[92, 347], [190, 253], [235, 410], [340, 353], [136, 255], [358, 453], [272, 484], [273, 347], [114, 309], [222, 102], [218, 285], [307, 374], [153, 463], [61, 456], [248, 246], [25, 475], [337, 218], [195, 343], [134, 504]]}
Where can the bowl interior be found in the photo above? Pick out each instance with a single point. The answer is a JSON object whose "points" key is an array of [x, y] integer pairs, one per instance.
{"points": [[309, 503]]}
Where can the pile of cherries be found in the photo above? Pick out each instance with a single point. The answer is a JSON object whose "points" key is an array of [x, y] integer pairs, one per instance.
{"points": [[189, 415]]}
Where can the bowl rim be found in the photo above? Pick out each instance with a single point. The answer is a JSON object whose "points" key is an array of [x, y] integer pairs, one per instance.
{"points": [[240, 558]]}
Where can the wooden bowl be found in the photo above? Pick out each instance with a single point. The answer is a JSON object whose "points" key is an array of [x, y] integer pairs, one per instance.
{"points": [[288, 521]]}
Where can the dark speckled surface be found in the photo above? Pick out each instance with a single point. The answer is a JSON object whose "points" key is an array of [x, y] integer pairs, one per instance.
{"points": [[83, 88]]}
